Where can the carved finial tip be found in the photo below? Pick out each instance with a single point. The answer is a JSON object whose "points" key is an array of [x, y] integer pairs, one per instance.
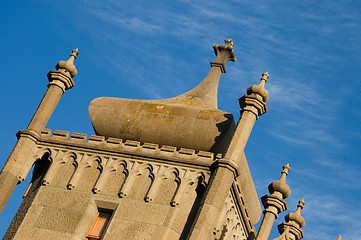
{"points": [[75, 52], [228, 42], [265, 76], [286, 168], [301, 203]]}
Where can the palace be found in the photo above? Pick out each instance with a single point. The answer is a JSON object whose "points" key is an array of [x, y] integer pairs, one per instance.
{"points": [[155, 169]]}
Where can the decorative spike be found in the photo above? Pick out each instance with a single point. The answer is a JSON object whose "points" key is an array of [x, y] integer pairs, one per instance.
{"points": [[263, 79], [73, 55], [286, 169]]}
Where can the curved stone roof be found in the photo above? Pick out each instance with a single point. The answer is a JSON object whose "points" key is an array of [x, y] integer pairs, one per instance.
{"points": [[191, 120]]}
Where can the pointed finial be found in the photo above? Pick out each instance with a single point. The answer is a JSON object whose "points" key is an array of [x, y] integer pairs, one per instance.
{"points": [[68, 66], [339, 237], [264, 77], [300, 205], [259, 89], [286, 168], [280, 185], [73, 55], [296, 216]]}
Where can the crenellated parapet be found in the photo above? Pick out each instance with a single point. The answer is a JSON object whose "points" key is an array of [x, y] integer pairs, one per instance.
{"points": [[111, 146]]}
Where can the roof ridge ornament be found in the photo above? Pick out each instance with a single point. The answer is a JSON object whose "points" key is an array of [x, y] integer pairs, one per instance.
{"points": [[224, 53], [206, 92]]}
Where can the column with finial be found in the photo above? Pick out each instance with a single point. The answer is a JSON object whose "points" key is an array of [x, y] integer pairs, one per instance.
{"points": [[225, 170], [291, 229], [18, 164], [274, 204], [252, 106], [60, 80]]}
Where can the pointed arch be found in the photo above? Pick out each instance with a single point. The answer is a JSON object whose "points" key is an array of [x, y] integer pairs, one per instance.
{"points": [[168, 185], [89, 169], [65, 164], [114, 177], [142, 181]]}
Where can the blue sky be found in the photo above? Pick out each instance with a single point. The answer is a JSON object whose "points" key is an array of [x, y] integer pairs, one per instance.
{"points": [[160, 49]]}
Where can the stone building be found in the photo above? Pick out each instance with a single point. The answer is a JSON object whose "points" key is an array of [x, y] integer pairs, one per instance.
{"points": [[155, 169]]}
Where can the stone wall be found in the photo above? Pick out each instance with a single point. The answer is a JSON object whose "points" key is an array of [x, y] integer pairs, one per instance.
{"points": [[154, 191]]}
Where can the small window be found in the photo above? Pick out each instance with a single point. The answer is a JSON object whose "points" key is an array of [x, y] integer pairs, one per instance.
{"points": [[100, 222]]}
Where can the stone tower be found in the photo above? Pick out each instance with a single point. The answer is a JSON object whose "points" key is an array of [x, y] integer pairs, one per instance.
{"points": [[156, 169]]}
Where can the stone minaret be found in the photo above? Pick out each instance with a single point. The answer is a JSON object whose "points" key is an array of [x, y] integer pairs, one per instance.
{"points": [[155, 169]]}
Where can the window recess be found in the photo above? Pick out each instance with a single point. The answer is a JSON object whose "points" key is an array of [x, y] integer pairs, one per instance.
{"points": [[99, 224]]}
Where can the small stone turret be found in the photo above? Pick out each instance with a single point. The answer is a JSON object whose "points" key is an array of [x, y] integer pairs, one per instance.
{"points": [[274, 203], [291, 229], [296, 216]]}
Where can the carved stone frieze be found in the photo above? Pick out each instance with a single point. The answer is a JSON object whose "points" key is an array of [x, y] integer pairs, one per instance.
{"points": [[84, 168]]}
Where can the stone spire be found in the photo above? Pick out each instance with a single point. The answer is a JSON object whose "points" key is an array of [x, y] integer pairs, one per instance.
{"points": [[291, 229], [274, 203]]}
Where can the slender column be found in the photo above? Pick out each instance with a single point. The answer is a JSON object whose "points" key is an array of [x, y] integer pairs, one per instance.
{"points": [[227, 169], [18, 164], [274, 204]]}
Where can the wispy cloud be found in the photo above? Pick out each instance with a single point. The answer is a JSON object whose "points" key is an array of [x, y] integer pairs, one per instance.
{"points": [[323, 211], [133, 24]]}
